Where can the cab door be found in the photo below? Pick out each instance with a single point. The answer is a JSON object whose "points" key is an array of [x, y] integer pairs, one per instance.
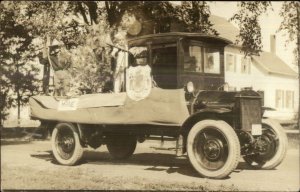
{"points": [[201, 64], [164, 65]]}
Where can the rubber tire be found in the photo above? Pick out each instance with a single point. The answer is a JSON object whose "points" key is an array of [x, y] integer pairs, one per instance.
{"points": [[233, 148], [282, 148], [78, 151], [121, 146]]}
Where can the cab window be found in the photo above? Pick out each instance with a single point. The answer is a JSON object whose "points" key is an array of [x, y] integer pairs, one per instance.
{"points": [[193, 59], [198, 58], [211, 61]]}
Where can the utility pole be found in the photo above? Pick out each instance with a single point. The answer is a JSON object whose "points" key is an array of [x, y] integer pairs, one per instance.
{"points": [[298, 47], [46, 74]]}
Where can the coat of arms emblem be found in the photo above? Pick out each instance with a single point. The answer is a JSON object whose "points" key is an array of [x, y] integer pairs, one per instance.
{"points": [[138, 82]]}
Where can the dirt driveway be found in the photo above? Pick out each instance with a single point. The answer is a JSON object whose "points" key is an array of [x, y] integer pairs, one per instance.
{"points": [[30, 165]]}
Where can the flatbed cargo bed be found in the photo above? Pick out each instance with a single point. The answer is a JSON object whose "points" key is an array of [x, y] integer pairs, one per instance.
{"points": [[161, 107]]}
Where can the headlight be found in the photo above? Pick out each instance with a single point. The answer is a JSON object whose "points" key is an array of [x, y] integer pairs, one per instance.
{"points": [[190, 87]]}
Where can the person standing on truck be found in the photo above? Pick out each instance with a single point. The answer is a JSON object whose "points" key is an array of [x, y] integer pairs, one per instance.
{"points": [[120, 56], [59, 59]]}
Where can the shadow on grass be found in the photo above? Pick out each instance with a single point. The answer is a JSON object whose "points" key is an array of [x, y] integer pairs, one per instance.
{"points": [[244, 166], [47, 157], [14, 142], [21, 138], [156, 161], [20, 133]]}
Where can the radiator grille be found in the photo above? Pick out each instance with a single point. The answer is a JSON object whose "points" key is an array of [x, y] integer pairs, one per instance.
{"points": [[250, 112]]}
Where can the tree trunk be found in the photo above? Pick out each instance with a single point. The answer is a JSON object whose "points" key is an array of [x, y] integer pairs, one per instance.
{"points": [[18, 96], [1, 121]]}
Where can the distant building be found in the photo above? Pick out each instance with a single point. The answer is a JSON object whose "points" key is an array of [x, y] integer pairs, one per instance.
{"points": [[267, 73]]}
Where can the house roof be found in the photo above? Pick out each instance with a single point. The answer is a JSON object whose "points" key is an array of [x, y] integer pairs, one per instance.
{"points": [[268, 61], [274, 64], [224, 27]]}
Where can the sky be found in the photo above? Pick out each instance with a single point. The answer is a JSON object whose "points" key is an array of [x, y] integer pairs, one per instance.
{"points": [[269, 23]]}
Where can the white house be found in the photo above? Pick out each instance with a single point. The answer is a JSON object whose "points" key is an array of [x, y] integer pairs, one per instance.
{"points": [[266, 73]]}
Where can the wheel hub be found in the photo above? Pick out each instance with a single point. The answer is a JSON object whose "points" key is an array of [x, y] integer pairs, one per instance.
{"points": [[68, 141], [213, 149], [67, 144], [266, 147]]}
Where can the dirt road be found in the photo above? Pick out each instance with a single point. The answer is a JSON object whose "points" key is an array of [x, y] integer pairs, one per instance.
{"points": [[30, 165]]}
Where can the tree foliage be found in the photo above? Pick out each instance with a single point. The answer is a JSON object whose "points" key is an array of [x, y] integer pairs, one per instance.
{"points": [[290, 23], [195, 16], [289, 16], [247, 18], [18, 72], [290, 13]]}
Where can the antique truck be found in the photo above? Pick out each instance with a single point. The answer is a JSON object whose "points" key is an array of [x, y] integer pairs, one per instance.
{"points": [[175, 89]]}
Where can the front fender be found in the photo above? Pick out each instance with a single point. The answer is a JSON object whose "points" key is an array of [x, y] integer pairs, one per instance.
{"points": [[206, 113], [214, 110]]}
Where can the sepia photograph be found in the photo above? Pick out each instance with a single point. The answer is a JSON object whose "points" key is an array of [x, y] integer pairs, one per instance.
{"points": [[149, 95]]}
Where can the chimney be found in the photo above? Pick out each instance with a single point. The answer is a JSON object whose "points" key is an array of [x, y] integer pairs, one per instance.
{"points": [[273, 44]]}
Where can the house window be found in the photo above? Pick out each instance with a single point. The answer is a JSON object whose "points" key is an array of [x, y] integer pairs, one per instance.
{"points": [[289, 100], [230, 62], [279, 99], [245, 65]]}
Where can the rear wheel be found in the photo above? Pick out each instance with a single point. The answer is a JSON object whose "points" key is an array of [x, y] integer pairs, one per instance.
{"points": [[66, 146], [274, 143], [121, 146], [213, 148]]}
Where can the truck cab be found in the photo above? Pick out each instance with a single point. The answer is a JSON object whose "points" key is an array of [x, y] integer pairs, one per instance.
{"points": [[178, 58]]}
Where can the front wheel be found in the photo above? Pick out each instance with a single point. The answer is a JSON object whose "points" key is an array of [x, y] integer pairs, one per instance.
{"points": [[66, 146], [274, 142], [213, 148]]}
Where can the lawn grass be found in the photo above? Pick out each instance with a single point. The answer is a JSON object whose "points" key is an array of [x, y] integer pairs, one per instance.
{"points": [[74, 178]]}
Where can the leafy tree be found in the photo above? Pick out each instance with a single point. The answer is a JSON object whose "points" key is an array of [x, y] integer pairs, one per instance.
{"points": [[290, 13], [61, 24], [71, 23], [290, 22], [247, 18], [195, 14], [18, 73], [192, 14]]}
